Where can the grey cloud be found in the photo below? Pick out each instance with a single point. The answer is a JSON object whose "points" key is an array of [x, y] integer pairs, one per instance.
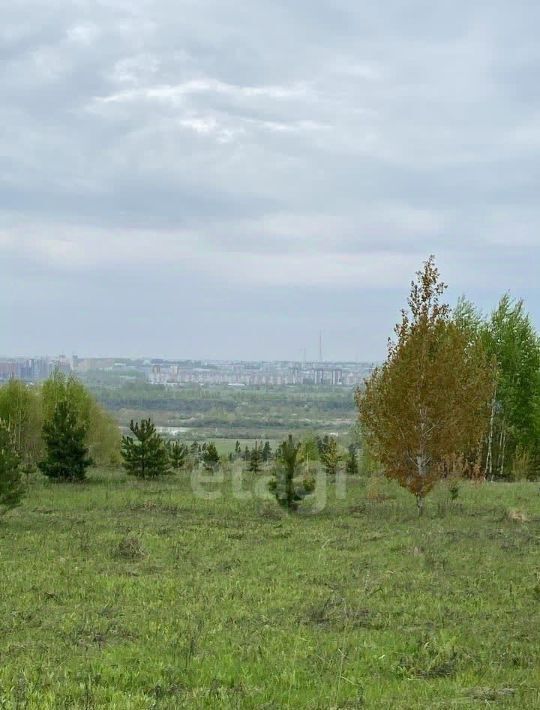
{"points": [[243, 136]]}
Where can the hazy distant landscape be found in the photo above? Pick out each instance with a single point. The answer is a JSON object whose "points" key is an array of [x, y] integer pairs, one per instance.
{"points": [[269, 355], [243, 535], [201, 400]]}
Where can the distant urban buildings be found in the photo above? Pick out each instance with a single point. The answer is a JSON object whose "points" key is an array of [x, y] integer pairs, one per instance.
{"points": [[260, 373], [32, 369], [184, 372]]}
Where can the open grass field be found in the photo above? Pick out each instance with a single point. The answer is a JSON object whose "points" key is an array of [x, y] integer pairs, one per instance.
{"points": [[132, 595]]}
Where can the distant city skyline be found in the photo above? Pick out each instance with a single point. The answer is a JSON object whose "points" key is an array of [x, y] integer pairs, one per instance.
{"points": [[159, 371], [158, 358]]}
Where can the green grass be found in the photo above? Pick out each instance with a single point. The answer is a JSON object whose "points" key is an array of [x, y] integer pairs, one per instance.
{"points": [[121, 594]]}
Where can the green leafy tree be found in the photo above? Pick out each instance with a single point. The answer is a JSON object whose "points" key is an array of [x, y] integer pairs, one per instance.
{"points": [[427, 407], [178, 454], [311, 449], [512, 444], [66, 454], [20, 408], [102, 433], [11, 486], [284, 484], [145, 453], [514, 433], [330, 455], [210, 457]]}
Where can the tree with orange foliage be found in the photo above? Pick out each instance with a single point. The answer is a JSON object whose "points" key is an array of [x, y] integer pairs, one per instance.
{"points": [[428, 405]]}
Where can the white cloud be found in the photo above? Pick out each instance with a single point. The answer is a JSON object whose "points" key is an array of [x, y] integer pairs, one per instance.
{"points": [[174, 93], [84, 34]]}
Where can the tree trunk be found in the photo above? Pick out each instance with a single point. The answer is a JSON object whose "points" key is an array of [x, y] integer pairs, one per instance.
{"points": [[422, 469], [489, 458], [503, 453], [500, 462]]}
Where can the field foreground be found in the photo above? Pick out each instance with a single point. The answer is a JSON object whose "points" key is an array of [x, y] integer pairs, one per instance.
{"points": [[120, 594]]}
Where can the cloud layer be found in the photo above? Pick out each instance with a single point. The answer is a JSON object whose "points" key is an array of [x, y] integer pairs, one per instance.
{"points": [[260, 170]]}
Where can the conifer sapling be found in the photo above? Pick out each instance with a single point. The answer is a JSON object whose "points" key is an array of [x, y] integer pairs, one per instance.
{"points": [[145, 453], [65, 443]]}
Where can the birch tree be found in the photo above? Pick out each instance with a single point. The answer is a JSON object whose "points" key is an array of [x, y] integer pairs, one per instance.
{"points": [[425, 411], [512, 445], [20, 408], [511, 338]]}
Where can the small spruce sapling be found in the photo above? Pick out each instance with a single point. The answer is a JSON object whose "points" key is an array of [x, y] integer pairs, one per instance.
{"points": [[177, 454], [255, 459], [145, 453], [266, 452], [66, 451], [283, 485], [210, 456]]}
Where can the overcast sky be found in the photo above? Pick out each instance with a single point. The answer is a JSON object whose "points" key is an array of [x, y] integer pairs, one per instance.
{"points": [[227, 178]]}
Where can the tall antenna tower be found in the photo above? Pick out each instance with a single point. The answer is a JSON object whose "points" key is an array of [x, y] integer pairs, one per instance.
{"points": [[320, 346]]}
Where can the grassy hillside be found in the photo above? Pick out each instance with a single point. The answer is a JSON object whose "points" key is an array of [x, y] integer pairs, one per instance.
{"points": [[120, 594]]}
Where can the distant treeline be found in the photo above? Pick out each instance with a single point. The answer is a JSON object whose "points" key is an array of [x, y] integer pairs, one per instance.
{"points": [[197, 399]]}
